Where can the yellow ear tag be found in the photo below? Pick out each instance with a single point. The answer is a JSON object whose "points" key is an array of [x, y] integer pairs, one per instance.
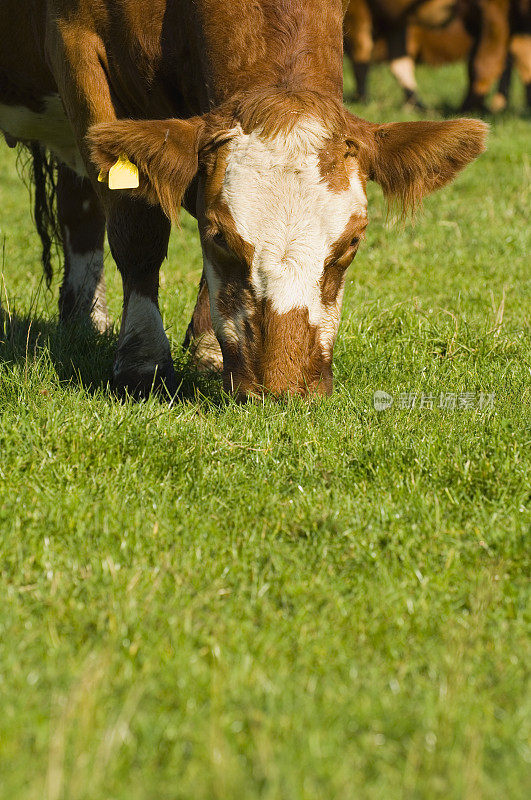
{"points": [[102, 177], [123, 174]]}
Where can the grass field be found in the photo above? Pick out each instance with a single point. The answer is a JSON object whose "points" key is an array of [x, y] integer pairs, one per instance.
{"points": [[279, 600]]}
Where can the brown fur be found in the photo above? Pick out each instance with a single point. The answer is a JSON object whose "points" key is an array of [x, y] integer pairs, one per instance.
{"points": [[439, 46], [333, 162], [412, 159], [278, 110], [281, 353], [165, 151], [340, 259], [521, 51]]}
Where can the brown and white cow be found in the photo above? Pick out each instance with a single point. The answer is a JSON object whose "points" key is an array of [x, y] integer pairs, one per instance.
{"points": [[233, 109], [488, 33]]}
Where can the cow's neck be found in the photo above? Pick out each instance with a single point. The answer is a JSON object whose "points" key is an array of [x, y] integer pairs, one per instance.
{"points": [[279, 43]]}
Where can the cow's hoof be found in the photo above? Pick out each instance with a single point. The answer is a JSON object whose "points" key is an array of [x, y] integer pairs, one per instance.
{"points": [[413, 102], [415, 106], [474, 103], [98, 322], [206, 353], [101, 321], [498, 103], [97, 316], [140, 383]]}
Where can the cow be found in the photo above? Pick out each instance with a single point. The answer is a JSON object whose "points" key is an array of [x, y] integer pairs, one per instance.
{"points": [[488, 33], [234, 111], [460, 41], [501, 32], [369, 20]]}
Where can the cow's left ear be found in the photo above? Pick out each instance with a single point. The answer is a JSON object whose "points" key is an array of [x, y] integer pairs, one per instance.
{"points": [[166, 153], [412, 159]]}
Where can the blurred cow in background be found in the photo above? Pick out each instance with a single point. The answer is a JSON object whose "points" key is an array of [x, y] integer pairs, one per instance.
{"points": [[368, 20], [491, 34]]}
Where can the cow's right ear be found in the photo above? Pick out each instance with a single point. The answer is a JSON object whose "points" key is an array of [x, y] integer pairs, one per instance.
{"points": [[412, 159], [166, 153]]}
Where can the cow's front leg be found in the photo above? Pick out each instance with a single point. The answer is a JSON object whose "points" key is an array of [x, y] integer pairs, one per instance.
{"points": [[200, 337], [488, 56], [359, 44], [521, 50], [138, 237], [403, 67], [82, 224]]}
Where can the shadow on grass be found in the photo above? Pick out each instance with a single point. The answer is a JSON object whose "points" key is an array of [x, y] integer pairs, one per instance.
{"points": [[448, 110], [82, 357], [444, 110]]}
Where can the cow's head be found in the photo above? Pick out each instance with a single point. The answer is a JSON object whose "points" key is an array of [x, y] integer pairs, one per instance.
{"points": [[282, 207]]}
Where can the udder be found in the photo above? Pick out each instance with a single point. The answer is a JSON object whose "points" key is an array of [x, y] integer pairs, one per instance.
{"points": [[50, 127]]}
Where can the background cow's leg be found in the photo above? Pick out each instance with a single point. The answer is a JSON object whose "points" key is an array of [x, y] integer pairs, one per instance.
{"points": [[403, 69], [138, 237], [82, 224], [521, 50], [200, 337], [500, 100], [489, 53], [359, 44], [403, 66]]}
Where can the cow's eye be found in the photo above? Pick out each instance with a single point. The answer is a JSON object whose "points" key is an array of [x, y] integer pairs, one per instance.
{"points": [[355, 241], [220, 241]]}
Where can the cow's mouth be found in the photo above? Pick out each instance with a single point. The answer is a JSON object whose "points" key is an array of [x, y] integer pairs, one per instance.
{"points": [[277, 355]]}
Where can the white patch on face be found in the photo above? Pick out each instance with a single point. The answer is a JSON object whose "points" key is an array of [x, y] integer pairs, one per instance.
{"points": [[282, 207], [143, 324], [51, 128], [226, 330]]}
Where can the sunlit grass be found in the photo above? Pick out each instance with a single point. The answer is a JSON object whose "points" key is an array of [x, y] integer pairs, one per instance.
{"points": [[278, 600]]}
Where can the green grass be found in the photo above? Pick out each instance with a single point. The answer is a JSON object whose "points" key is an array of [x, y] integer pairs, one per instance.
{"points": [[278, 600]]}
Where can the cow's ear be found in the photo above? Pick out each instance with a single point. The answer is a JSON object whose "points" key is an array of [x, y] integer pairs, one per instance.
{"points": [[166, 153], [412, 159]]}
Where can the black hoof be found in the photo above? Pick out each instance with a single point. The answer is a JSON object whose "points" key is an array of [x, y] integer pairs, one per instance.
{"points": [[474, 102], [140, 384], [413, 101]]}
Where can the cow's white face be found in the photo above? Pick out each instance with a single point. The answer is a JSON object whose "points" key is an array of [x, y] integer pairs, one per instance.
{"points": [[281, 225]]}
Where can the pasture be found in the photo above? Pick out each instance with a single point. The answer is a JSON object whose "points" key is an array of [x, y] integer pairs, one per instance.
{"points": [[279, 600]]}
